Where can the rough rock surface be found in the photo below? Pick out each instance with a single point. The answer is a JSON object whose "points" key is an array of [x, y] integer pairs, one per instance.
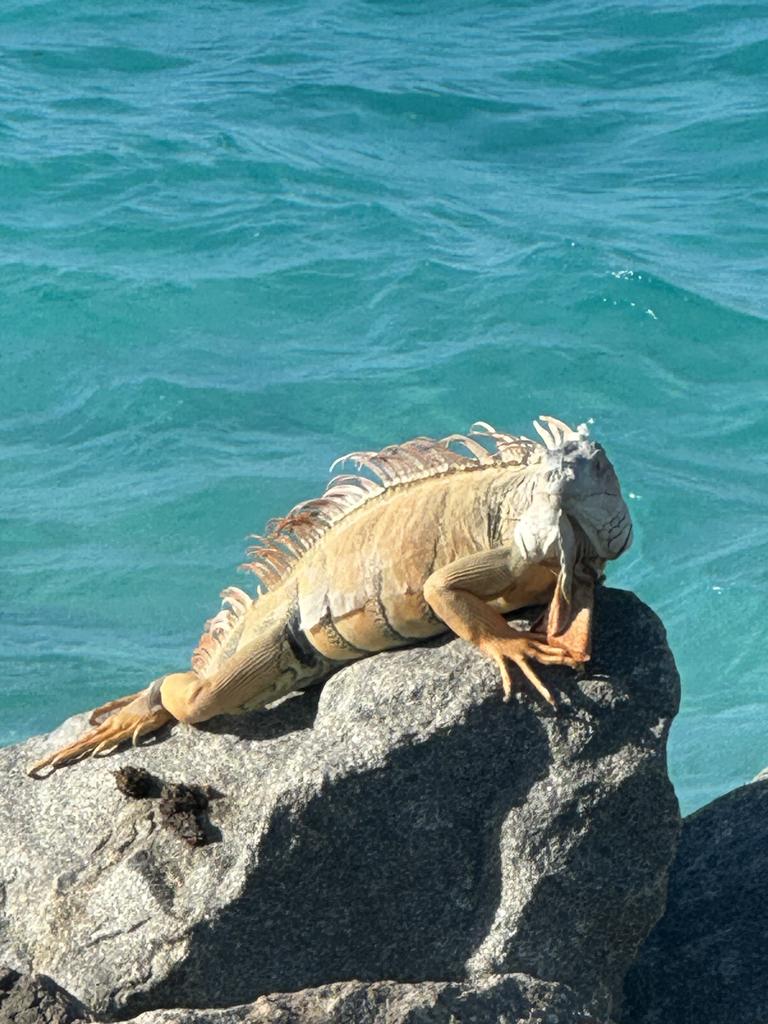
{"points": [[35, 999], [499, 999], [401, 824], [705, 961]]}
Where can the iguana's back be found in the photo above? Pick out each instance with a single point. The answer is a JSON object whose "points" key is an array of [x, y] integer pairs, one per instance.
{"points": [[357, 587], [364, 580]]}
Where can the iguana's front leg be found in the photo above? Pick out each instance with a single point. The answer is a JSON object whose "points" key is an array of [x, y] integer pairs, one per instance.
{"points": [[459, 593]]}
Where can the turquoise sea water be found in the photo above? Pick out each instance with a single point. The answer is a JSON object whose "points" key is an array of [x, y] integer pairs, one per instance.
{"points": [[238, 239]]}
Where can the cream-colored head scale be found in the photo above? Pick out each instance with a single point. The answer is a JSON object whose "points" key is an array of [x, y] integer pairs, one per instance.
{"points": [[580, 477]]}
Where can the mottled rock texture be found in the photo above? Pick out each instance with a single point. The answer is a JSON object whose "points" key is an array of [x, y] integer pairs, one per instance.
{"points": [[705, 962], [400, 824], [499, 999]]}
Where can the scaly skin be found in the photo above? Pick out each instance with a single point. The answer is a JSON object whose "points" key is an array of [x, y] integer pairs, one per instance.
{"points": [[446, 541]]}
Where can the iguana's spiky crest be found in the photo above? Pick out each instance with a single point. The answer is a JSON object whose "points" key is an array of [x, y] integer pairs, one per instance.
{"points": [[234, 604], [275, 554]]}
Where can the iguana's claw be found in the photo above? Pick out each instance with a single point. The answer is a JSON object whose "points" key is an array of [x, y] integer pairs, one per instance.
{"points": [[130, 721], [521, 649], [100, 714]]}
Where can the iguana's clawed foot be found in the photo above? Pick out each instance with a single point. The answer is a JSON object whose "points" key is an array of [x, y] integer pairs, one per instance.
{"points": [[522, 648], [130, 721]]}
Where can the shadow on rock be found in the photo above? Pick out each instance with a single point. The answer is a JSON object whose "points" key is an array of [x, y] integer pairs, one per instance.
{"points": [[294, 714], [392, 872]]}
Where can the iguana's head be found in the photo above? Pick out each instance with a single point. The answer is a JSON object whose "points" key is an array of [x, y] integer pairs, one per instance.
{"points": [[579, 473]]}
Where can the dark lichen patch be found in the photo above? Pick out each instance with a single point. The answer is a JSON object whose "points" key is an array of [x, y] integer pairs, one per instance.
{"points": [[184, 824], [183, 806], [156, 877], [185, 797], [137, 783], [183, 810]]}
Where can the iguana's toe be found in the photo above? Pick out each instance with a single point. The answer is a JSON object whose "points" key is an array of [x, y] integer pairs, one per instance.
{"points": [[522, 648], [129, 722], [98, 715]]}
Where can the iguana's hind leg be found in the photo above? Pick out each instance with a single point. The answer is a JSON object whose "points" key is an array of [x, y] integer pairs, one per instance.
{"points": [[264, 670], [459, 593], [127, 718], [273, 664]]}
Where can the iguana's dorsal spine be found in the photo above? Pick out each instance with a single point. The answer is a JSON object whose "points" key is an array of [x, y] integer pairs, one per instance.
{"points": [[216, 631], [276, 554]]}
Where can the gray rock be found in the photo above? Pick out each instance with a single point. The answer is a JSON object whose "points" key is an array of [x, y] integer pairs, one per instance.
{"points": [[402, 824], [705, 961], [35, 999], [499, 999]]}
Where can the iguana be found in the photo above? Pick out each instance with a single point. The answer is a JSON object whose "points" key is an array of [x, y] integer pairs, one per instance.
{"points": [[440, 535]]}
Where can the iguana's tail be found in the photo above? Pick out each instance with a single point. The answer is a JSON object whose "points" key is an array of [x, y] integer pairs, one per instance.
{"points": [[276, 660]]}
